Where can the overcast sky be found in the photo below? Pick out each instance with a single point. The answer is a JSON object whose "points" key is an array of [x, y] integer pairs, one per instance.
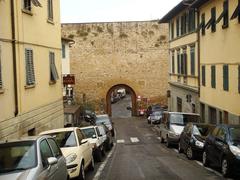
{"points": [[77, 11]]}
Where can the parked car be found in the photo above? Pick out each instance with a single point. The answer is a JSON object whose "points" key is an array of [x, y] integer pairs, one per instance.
{"points": [[96, 139], [75, 148], [172, 125], [222, 148], [89, 116], [155, 117], [108, 139], [104, 118], [152, 109], [121, 92], [192, 139], [32, 158]]}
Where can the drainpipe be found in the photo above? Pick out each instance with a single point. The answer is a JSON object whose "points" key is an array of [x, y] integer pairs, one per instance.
{"points": [[198, 42], [14, 57]]}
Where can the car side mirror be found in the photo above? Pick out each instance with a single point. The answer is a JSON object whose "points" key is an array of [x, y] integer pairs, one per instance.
{"points": [[52, 161], [84, 141]]}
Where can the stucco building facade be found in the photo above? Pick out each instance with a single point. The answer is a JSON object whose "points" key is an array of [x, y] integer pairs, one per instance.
{"points": [[133, 54], [30, 63]]}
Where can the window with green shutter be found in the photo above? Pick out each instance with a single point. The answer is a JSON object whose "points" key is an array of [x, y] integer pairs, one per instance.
{"points": [[30, 76], [191, 19], [225, 78], [1, 83], [203, 75], [213, 76], [192, 52], [203, 24], [173, 62], [27, 5], [50, 9], [53, 70], [178, 27], [236, 13], [172, 30], [178, 62], [212, 21]]}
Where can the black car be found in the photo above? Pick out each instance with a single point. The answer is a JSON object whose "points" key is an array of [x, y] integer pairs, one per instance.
{"points": [[222, 148], [192, 139]]}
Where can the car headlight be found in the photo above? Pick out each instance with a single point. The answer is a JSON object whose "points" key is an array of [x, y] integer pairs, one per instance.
{"points": [[71, 158], [199, 144], [235, 150]]}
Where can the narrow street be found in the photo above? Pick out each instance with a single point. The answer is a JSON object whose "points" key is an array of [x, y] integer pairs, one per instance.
{"points": [[140, 155]]}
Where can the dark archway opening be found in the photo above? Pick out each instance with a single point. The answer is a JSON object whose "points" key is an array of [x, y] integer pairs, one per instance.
{"points": [[114, 92]]}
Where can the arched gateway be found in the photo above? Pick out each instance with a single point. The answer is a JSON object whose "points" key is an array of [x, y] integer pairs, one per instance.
{"points": [[128, 89]]}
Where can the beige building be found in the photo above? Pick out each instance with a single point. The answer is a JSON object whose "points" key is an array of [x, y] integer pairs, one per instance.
{"points": [[219, 60], [106, 56], [30, 67], [183, 59]]}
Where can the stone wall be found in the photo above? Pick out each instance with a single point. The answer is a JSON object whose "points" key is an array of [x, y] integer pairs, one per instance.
{"points": [[41, 119], [108, 54]]}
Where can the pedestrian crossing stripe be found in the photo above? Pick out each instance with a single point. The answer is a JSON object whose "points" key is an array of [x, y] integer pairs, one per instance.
{"points": [[134, 139], [120, 141]]}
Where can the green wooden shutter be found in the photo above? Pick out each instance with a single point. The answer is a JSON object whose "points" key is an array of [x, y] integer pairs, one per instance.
{"points": [[213, 17], [213, 76], [179, 63], [173, 63], [225, 78], [203, 75], [53, 70], [30, 76], [193, 61], [203, 24]]}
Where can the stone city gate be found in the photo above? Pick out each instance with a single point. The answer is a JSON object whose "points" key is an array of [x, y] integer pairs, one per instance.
{"points": [[108, 55]]}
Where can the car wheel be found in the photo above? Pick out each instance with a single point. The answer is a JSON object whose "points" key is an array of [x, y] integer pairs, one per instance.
{"points": [[180, 150], [82, 172], [168, 143], [205, 159], [161, 138], [189, 153], [91, 166], [148, 122], [225, 168], [103, 151]]}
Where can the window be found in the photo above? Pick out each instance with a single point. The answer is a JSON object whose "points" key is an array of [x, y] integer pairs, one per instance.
{"points": [[172, 30], [192, 52], [191, 19], [184, 62], [225, 78], [63, 51], [203, 25], [1, 83], [212, 115], [50, 9], [236, 12], [239, 78], [30, 76], [45, 152], [212, 21], [203, 112], [183, 24], [179, 104], [224, 15], [53, 69], [213, 76], [27, 5], [178, 61], [178, 27], [203, 75], [173, 62], [57, 152]]}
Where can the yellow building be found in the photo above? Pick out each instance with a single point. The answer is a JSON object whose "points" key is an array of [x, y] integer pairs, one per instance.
{"points": [[219, 60], [183, 72], [30, 67]]}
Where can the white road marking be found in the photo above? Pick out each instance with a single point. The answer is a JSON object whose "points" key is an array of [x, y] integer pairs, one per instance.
{"points": [[175, 150], [120, 141], [134, 139], [102, 166]]}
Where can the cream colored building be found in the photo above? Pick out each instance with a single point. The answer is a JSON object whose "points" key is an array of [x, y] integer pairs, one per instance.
{"points": [[219, 60], [30, 61], [183, 59]]}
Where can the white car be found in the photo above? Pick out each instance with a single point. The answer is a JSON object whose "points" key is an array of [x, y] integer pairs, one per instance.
{"points": [[75, 148], [94, 136]]}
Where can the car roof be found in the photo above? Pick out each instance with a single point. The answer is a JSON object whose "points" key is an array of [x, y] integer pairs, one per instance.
{"points": [[59, 130], [25, 138], [182, 113], [88, 127]]}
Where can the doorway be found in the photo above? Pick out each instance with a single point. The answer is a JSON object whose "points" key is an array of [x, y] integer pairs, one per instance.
{"points": [[121, 101]]}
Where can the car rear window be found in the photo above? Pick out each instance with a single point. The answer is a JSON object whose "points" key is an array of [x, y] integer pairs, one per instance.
{"points": [[235, 134], [65, 138]]}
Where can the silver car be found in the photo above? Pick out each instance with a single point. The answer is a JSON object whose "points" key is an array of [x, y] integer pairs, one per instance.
{"points": [[32, 158]]}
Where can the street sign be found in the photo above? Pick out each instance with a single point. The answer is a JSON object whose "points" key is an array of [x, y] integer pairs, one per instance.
{"points": [[69, 79]]}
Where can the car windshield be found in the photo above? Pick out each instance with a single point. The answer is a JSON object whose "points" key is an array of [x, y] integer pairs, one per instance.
{"points": [[183, 119], [235, 134], [157, 113], [201, 130], [101, 120], [65, 138], [89, 132], [17, 156]]}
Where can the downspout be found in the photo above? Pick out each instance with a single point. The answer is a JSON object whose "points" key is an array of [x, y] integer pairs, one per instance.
{"points": [[198, 43], [14, 57]]}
